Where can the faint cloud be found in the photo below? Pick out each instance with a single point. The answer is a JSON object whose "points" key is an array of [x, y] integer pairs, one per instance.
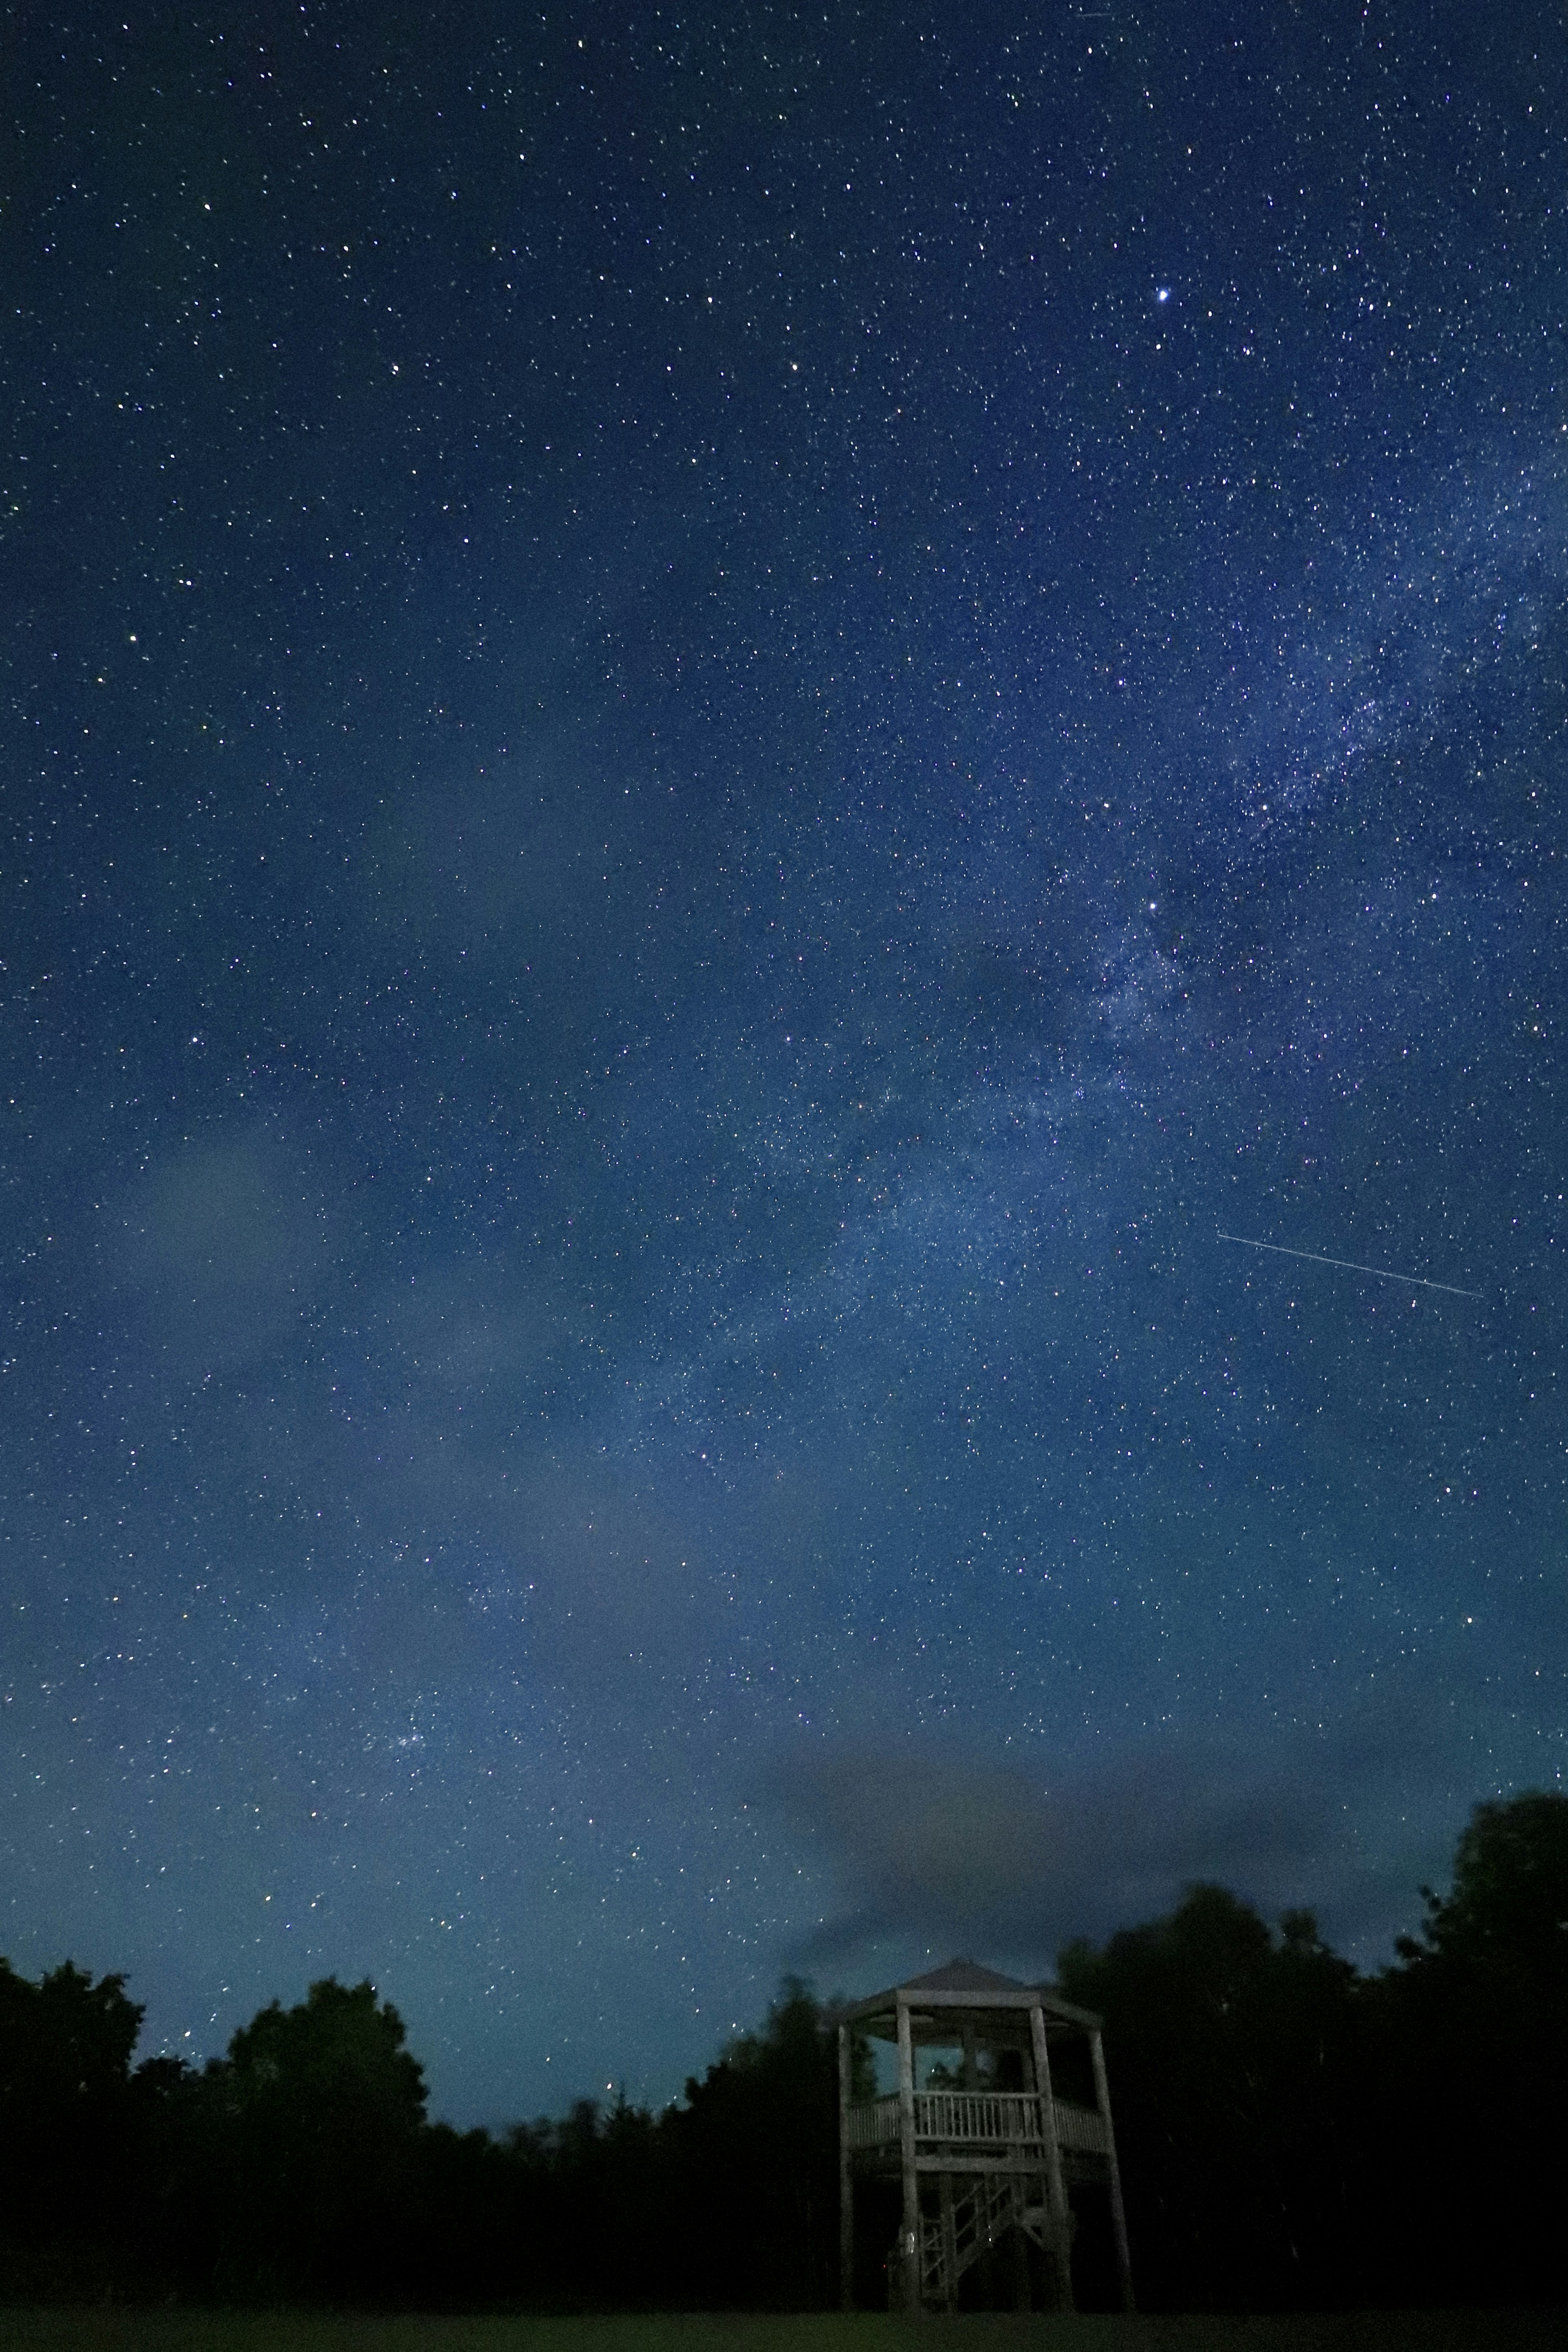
{"points": [[617, 1588], [224, 1244], [924, 1844]]}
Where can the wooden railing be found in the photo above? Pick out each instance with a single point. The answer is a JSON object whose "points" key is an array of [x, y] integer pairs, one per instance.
{"points": [[1081, 2129], [1006, 2118], [994, 2119], [875, 2123]]}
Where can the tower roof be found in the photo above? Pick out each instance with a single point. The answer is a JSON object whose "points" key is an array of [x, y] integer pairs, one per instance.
{"points": [[962, 1976], [963, 1984]]}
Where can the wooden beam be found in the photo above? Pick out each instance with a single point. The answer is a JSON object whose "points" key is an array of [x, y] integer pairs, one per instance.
{"points": [[846, 2179], [1023, 1998], [1056, 2188], [1069, 2011], [910, 2235], [1118, 2212], [964, 2160], [948, 2244]]}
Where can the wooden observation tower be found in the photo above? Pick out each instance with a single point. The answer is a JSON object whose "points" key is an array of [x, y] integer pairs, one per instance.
{"points": [[991, 2163]]}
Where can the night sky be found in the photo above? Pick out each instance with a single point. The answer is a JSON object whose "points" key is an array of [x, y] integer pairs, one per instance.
{"points": [[718, 726]]}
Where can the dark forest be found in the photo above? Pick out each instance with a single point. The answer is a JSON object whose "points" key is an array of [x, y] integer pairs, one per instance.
{"points": [[1293, 2133]]}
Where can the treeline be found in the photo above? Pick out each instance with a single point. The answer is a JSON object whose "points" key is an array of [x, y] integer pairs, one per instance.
{"points": [[1294, 2134], [300, 2167], [1291, 2132]]}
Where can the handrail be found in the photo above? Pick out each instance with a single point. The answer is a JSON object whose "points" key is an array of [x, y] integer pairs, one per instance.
{"points": [[1082, 2129], [978, 2118], [874, 2122], [1009, 2117]]}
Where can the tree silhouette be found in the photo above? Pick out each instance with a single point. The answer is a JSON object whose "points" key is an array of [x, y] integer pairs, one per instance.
{"points": [[1506, 1920], [469, 2232], [66, 2106], [756, 2147], [1471, 2044], [1231, 2056], [323, 2106]]}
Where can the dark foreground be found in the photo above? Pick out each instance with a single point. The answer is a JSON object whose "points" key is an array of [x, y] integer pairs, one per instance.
{"points": [[113, 2330]]}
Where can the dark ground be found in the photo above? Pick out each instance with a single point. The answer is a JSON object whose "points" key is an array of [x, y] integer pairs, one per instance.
{"points": [[194, 2331]]}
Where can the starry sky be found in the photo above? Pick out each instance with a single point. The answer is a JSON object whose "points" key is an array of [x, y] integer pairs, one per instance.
{"points": [[720, 724]]}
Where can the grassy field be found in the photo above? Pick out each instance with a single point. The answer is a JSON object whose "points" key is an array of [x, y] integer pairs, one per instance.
{"points": [[116, 2330]]}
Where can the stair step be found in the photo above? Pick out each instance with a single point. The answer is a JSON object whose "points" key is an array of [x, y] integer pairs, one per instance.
{"points": [[951, 2243]]}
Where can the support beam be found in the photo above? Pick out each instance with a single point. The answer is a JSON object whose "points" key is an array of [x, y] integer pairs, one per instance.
{"points": [[1056, 2188], [949, 2245], [910, 2234], [1118, 2210], [1018, 2257], [845, 2180]]}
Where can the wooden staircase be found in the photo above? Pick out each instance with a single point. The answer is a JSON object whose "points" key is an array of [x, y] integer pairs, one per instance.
{"points": [[952, 2241]]}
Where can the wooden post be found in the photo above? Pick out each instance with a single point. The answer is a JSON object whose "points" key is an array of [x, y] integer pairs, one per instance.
{"points": [[948, 2244], [1055, 2186], [1118, 2212], [846, 2181], [909, 2236], [1020, 2280]]}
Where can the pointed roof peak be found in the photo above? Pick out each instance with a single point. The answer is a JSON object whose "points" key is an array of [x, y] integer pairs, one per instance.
{"points": [[963, 1984], [964, 1976]]}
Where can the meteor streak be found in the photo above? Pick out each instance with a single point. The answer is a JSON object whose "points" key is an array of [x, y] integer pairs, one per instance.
{"points": [[1349, 1265]]}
